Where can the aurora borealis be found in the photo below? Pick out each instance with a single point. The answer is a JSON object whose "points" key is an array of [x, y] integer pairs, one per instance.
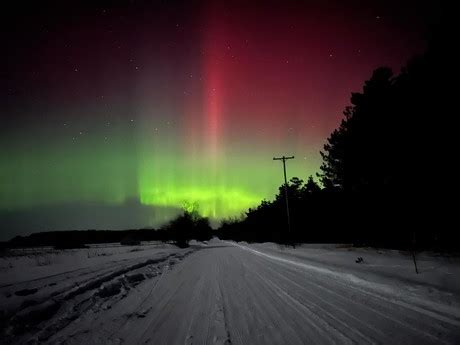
{"points": [[117, 114]]}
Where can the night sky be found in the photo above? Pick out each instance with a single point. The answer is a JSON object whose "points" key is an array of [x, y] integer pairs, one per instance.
{"points": [[116, 114]]}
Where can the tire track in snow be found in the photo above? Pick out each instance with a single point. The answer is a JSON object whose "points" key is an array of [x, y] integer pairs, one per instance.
{"points": [[449, 315], [376, 309], [328, 327], [229, 295], [388, 304], [307, 292], [266, 305]]}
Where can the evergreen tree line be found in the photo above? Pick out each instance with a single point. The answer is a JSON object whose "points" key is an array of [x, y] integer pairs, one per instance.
{"points": [[384, 169]]}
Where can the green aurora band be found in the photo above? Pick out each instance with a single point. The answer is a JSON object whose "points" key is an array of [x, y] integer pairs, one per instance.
{"points": [[122, 123], [132, 160]]}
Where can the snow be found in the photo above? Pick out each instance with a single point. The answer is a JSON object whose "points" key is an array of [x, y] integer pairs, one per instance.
{"points": [[228, 293], [25, 264]]}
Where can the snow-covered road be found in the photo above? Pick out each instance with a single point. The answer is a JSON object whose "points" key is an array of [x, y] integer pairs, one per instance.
{"points": [[226, 293]]}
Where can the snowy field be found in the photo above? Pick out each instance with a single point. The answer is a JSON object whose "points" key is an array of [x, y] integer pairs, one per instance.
{"points": [[227, 293]]}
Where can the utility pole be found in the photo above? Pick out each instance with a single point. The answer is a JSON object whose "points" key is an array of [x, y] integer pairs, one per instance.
{"points": [[284, 159]]}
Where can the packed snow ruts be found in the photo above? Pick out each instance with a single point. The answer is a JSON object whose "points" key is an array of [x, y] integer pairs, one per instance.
{"points": [[64, 305], [232, 293]]}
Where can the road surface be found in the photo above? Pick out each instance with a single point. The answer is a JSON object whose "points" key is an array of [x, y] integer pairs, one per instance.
{"points": [[230, 294]]}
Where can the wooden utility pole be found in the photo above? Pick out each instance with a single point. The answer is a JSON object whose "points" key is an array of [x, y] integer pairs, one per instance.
{"points": [[284, 159]]}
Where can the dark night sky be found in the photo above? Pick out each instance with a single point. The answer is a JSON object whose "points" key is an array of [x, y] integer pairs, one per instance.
{"points": [[134, 108]]}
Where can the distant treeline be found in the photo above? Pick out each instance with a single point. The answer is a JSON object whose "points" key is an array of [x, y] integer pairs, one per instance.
{"points": [[386, 171], [187, 226], [78, 238]]}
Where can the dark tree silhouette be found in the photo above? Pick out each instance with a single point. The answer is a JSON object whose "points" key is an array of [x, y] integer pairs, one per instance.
{"points": [[187, 226], [384, 169], [355, 156], [310, 188]]}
